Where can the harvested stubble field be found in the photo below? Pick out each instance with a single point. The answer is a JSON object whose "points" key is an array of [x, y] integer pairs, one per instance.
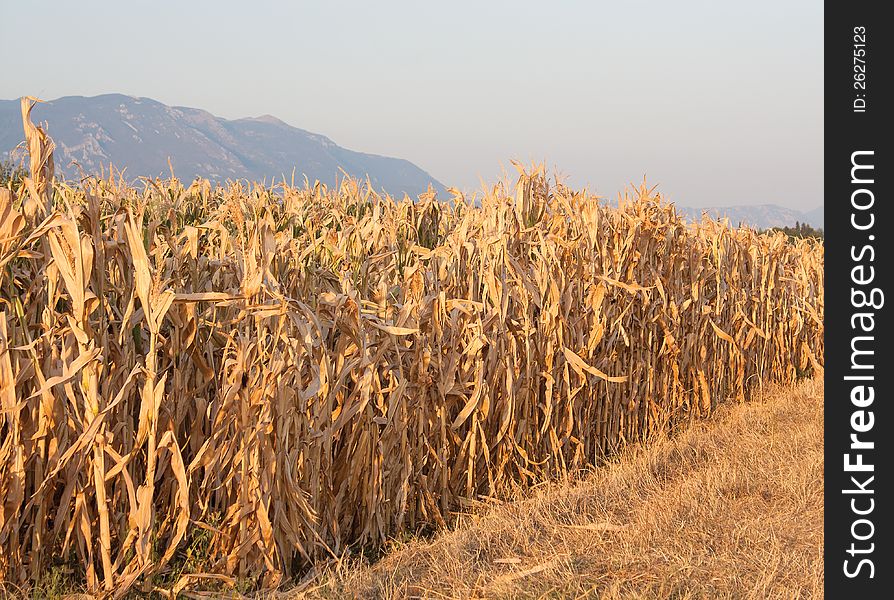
{"points": [[274, 375]]}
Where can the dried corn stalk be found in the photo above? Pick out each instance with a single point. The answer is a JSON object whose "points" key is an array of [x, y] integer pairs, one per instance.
{"points": [[293, 370]]}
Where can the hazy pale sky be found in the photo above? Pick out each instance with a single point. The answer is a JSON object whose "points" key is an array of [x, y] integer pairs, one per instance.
{"points": [[718, 103]]}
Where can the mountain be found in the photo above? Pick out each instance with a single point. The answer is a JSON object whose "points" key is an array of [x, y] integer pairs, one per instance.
{"points": [[762, 216], [815, 217], [141, 134]]}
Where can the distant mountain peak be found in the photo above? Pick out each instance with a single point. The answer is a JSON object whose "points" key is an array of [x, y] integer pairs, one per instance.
{"points": [[266, 119], [141, 134]]}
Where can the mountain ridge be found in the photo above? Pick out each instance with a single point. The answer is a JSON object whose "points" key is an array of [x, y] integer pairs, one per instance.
{"points": [[761, 216], [142, 133]]}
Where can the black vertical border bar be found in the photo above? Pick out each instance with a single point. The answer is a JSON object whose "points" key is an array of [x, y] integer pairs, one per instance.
{"points": [[846, 132]]}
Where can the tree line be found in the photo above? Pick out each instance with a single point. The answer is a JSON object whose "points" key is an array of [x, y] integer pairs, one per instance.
{"points": [[800, 230]]}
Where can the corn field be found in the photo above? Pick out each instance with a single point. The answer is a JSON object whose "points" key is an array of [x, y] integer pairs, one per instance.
{"points": [[293, 370]]}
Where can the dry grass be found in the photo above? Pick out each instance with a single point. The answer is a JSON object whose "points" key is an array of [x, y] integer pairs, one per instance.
{"points": [[278, 375], [729, 508]]}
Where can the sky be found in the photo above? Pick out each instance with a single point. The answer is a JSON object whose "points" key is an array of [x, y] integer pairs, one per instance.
{"points": [[718, 103]]}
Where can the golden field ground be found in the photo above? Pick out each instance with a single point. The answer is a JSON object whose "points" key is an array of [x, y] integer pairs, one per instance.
{"points": [[729, 508], [230, 385]]}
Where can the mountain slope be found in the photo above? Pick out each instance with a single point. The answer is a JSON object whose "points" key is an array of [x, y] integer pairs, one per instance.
{"points": [[141, 134], [815, 217], [762, 216]]}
